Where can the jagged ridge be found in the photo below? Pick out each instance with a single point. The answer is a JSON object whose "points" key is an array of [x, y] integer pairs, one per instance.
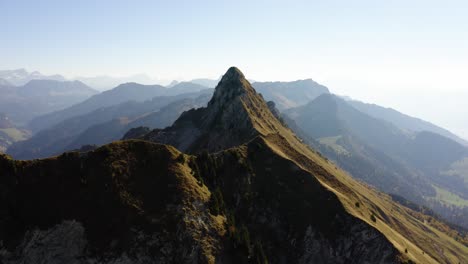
{"points": [[269, 197], [234, 98], [234, 115]]}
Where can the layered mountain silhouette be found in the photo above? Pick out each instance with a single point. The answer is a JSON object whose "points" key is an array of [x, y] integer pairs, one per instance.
{"points": [[38, 97], [20, 77], [115, 129], [403, 121], [120, 94], [410, 164], [106, 124], [249, 192], [290, 94]]}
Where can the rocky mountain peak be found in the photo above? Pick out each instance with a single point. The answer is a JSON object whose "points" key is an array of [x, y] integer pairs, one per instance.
{"points": [[235, 114], [233, 84], [233, 73]]}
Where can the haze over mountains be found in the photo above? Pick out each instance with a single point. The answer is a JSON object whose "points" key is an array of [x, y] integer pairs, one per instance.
{"points": [[104, 124], [409, 163], [241, 187], [290, 94], [235, 179], [403, 121], [20, 77], [120, 94], [38, 97]]}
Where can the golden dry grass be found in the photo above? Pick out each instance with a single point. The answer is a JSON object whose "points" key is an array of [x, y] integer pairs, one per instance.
{"points": [[423, 243], [415, 239]]}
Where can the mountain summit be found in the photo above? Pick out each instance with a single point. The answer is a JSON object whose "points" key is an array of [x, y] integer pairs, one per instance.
{"points": [[238, 121], [232, 84], [259, 196], [235, 114]]}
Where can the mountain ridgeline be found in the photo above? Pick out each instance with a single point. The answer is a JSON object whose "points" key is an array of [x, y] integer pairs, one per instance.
{"points": [[417, 165], [39, 97], [404, 121], [290, 94], [120, 94], [226, 183], [107, 124], [235, 114]]}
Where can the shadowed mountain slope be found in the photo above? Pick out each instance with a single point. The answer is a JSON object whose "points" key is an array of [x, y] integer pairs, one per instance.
{"points": [[260, 196], [120, 94], [106, 124], [237, 113]]}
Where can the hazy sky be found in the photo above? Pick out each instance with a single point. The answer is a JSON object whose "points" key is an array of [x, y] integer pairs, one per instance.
{"points": [[410, 55]]}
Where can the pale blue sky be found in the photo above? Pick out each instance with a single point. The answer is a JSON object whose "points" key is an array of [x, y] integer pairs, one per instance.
{"points": [[410, 55]]}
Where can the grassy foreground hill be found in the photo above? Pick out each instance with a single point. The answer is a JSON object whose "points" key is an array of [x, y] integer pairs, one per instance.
{"points": [[260, 196]]}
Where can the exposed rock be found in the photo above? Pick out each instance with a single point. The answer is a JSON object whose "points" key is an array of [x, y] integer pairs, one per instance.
{"points": [[234, 115]]}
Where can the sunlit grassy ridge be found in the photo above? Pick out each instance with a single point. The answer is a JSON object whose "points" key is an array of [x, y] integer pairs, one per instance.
{"points": [[396, 222], [260, 194], [423, 243], [414, 239]]}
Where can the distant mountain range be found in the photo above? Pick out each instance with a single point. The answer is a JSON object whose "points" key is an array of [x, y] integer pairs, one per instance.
{"points": [[106, 116], [399, 154], [122, 93], [206, 82], [410, 163], [105, 124], [403, 121], [20, 77], [112, 112], [103, 82], [38, 97], [240, 187], [290, 94]]}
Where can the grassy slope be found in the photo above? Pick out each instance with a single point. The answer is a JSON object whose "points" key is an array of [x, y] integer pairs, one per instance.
{"points": [[404, 230], [392, 219], [119, 157], [400, 225]]}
